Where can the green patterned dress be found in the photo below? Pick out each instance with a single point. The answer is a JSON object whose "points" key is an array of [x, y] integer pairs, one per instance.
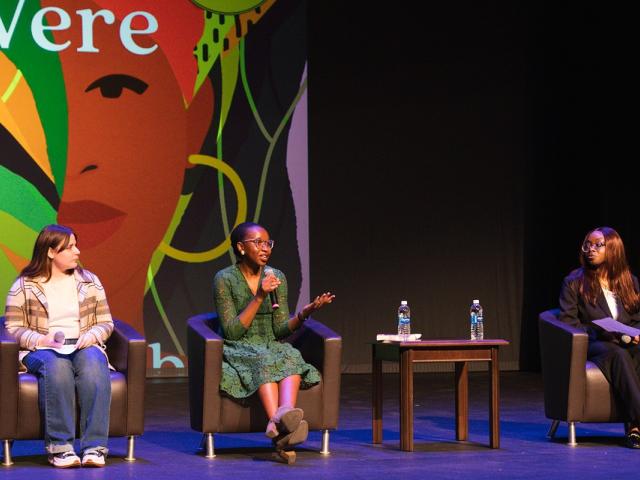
{"points": [[254, 356]]}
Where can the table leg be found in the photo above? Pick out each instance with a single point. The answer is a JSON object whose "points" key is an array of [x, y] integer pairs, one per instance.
{"points": [[406, 400], [376, 380], [462, 400], [494, 401]]}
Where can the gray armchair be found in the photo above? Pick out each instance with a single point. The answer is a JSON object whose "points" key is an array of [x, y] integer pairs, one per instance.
{"points": [[575, 390], [213, 413]]}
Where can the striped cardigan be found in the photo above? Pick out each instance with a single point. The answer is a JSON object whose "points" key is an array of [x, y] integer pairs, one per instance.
{"points": [[27, 319]]}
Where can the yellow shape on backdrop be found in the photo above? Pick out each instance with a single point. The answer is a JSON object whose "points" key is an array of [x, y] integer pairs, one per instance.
{"points": [[241, 215], [19, 115]]}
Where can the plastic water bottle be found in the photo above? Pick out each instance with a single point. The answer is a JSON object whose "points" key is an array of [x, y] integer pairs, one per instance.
{"points": [[476, 317], [404, 320]]}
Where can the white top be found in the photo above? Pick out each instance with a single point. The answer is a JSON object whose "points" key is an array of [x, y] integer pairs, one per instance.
{"points": [[610, 297], [62, 306]]}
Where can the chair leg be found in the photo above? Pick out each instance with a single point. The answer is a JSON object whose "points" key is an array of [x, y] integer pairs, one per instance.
{"points": [[6, 460], [324, 450], [572, 435], [209, 447], [553, 428], [131, 443]]}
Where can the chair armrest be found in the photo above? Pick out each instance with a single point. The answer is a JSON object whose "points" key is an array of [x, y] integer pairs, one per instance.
{"points": [[563, 350], [204, 347], [8, 383], [127, 351], [313, 339], [322, 347]]}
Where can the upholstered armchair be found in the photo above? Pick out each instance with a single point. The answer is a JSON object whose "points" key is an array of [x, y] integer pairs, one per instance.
{"points": [[575, 390], [213, 413], [19, 412]]}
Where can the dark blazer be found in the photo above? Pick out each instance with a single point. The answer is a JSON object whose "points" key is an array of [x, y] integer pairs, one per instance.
{"points": [[579, 313]]}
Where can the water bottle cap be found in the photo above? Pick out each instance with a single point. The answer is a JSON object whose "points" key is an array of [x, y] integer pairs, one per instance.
{"points": [[476, 301], [403, 302]]}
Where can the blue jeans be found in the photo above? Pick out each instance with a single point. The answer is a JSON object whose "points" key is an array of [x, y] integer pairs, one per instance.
{"points": [[59, 377]]}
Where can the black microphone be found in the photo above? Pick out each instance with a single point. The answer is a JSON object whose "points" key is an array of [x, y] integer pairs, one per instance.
{"points": [[58, 337], [273, 295]]}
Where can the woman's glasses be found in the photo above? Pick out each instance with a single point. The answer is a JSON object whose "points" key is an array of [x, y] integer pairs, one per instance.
{"points": [[260, 244], [587, 246]]}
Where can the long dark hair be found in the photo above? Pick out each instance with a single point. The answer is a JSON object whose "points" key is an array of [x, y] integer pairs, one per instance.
{"points": [[52, 236], [614, 268]]}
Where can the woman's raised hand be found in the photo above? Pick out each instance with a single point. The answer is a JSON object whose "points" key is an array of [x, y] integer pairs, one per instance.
{"points": [[319, 302]]}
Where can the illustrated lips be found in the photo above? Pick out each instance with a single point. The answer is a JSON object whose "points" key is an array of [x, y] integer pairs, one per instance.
{"points": [[93, 222]]}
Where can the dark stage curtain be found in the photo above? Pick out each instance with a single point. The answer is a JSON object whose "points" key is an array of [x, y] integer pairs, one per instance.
{"points": [[581, 170], [418, 147], [461, 150]]}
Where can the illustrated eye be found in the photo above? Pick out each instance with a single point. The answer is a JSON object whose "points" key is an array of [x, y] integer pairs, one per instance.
{"points": [[111, 85]]}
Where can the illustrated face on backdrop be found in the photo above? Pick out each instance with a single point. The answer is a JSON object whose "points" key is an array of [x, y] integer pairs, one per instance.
{"points": [[129, 138], [97, 134]]}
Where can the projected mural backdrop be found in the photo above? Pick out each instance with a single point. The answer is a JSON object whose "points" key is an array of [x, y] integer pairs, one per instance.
{"points": [[152, 128]]}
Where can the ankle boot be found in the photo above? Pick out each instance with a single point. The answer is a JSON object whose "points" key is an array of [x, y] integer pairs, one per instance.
{"points": [[287, 419], [299, 435], [285, 456]]}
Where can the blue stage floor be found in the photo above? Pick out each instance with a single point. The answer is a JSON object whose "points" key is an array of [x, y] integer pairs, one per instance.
{"points": [[168, 448]]}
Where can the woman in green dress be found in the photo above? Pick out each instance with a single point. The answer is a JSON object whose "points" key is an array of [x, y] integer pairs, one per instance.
{"points": [[252, 325]]}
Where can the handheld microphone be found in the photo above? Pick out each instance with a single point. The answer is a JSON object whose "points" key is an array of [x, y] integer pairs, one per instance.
{"points": [[58, 337], [274, 294], [625, 339]]}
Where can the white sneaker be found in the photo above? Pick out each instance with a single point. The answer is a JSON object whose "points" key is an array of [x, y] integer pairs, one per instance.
{"points": [[67, 459], [92, 457]]}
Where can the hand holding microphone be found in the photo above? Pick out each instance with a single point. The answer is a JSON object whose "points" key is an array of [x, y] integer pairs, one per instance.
{"points": [[624, 339], [51, 339], [273, 294], [58, 337]]}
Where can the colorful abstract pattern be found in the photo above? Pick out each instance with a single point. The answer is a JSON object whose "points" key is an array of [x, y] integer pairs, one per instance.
{"points": [[153, 158]]}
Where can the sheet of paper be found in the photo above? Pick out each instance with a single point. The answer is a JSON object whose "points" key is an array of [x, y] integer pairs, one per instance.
{"points": [[64, 350], [611, 325], [383, 337]]}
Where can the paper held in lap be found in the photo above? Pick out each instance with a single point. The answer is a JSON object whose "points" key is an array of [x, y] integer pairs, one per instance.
{"points": [[610, 325], [64, 350], [383, 337]]}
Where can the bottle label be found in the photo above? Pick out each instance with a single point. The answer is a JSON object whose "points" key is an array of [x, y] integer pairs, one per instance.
{"points": [[474, 317]]}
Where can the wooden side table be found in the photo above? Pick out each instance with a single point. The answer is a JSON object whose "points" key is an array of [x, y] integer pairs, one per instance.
{"points": [[459, 351]]}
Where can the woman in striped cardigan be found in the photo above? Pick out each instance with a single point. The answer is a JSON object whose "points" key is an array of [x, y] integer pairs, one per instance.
{"points": [[59, 315]]}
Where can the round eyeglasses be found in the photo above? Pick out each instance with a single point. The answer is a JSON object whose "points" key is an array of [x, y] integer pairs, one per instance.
{"points": [[587, 246], [260, 244]]}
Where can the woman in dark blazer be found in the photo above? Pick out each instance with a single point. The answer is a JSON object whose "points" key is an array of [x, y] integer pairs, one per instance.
{"points": [[604, 287]]}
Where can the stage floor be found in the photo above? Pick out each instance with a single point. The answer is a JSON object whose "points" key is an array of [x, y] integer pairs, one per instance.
{"points": [[167, 450]]}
